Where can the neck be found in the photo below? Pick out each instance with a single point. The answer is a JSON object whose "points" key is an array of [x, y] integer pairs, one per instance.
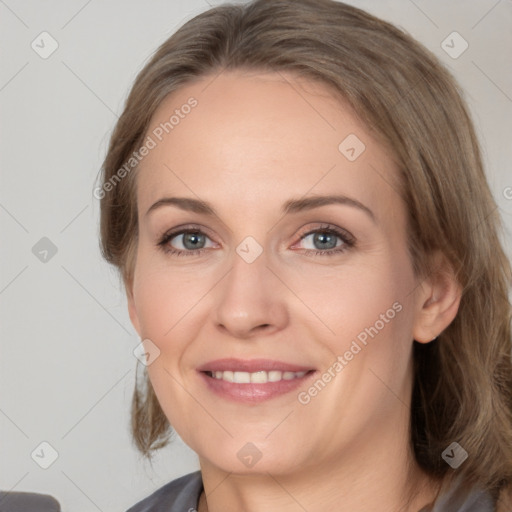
{"points": [[370, 476]]}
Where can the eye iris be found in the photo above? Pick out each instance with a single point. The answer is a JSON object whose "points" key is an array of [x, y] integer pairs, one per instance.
{"points": [[193, 240], [324, 240]]}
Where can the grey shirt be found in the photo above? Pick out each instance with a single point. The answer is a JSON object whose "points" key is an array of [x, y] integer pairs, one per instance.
{"points": [[182, 495]]}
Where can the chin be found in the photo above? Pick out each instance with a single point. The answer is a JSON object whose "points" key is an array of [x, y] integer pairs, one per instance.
{"points": [[251, 458]]}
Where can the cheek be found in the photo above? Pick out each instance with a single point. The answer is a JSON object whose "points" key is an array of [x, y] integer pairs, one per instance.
{"points": [[168, 306], [364, 308], [353, 295], [371, 315], [166, 299]]}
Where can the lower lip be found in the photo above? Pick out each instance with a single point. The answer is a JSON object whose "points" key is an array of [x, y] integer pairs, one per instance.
{"points": [[253, 393]]}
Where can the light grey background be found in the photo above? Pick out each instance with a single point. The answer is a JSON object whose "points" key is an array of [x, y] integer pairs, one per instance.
{"points": [[67, 368]]}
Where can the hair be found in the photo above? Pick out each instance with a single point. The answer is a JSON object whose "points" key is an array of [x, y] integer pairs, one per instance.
{"points": [[462, 388]]}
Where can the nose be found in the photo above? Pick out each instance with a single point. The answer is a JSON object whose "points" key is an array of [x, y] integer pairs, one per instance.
{"points": [[251, 301]]}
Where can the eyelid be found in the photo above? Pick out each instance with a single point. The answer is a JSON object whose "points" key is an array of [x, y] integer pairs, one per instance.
{"points": [[343, 233], [184, 228]]}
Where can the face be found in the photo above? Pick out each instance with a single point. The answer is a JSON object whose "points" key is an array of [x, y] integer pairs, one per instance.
{"points": [[271, 239]]}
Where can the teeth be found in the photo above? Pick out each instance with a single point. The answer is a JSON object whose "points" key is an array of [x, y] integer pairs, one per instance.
{"points": [[260, 377]]}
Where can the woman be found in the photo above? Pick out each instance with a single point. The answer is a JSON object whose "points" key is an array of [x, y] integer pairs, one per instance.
{"points": [[295, 199]]}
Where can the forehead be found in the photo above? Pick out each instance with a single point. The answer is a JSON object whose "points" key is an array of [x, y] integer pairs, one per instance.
{"points": [[249, 140]]}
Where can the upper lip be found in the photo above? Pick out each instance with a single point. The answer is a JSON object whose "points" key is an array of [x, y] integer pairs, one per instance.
{"points": [[251, 365]]}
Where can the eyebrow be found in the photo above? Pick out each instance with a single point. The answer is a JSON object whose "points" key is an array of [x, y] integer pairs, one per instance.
{"points": [[292, 206]]}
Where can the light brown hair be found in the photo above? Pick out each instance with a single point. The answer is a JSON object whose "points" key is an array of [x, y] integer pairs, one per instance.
{"points": [[463, 381]]}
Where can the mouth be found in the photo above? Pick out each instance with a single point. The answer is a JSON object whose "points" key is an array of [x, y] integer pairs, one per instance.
{"points": [[253, 381], [259, 377]]}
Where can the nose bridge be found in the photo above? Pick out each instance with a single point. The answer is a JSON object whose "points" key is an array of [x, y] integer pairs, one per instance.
{"points": [[249, 271], [249, 299]]}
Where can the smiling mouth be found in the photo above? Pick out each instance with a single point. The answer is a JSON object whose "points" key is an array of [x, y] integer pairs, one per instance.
{"points": [[259, 377]]}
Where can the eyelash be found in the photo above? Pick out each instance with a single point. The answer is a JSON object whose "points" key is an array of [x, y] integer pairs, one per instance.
{"points": [[347, 239]]}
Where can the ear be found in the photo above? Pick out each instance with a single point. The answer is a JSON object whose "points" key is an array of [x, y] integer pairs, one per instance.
{"points": [[132, 310], [437, 300]]}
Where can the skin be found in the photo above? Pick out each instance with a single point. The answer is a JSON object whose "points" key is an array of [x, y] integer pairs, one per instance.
{"points": [[253, 142]]}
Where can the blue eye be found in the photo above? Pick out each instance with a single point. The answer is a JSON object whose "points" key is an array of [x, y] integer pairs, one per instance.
{"points": [[185, 242], [327, 241], [192, 240], [323, 240]]}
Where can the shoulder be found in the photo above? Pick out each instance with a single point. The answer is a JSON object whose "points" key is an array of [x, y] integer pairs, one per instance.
{"points": [[463, 499], [180, 495]]}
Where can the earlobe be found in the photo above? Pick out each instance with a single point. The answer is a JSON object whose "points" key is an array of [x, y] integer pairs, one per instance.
{"points": [[438, 301]]}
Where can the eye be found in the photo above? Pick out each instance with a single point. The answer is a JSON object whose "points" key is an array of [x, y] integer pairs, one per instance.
{"points": [[185, 242], [327, 240]]}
